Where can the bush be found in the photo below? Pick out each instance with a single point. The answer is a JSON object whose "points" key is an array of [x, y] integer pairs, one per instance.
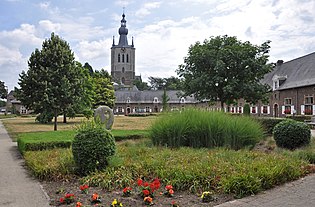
{"points": [[92, 147], [246, 109], [197, 128], [291, 134], [269, 123], [45, 117]]}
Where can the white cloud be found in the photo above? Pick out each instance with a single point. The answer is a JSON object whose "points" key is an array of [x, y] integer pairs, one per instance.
{"points": [[145, 10], [49, 26]]}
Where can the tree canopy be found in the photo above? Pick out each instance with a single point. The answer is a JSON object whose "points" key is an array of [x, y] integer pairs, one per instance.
{"points": [[103, 89], [225, 69], [54, 81], [3, 90], [171, 83]]}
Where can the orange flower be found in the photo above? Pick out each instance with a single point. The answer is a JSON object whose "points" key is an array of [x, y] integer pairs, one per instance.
{"points": [[148, 199], [79, 204], [94, 196]]}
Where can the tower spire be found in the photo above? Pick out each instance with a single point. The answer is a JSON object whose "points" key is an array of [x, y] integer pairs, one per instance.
{"points": [[123, 32]]}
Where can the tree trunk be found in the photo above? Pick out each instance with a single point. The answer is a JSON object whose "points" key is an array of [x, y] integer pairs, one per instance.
{"points": [[55, 122], [64, 117]]}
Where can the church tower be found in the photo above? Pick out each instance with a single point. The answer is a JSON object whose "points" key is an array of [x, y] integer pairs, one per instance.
{"points": [[123, 58]]}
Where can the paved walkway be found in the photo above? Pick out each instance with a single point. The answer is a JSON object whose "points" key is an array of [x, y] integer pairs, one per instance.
{"points": [[17, 187]]}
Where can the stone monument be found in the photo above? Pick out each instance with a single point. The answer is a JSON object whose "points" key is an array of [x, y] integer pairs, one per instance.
{"points": [[105, 115]]}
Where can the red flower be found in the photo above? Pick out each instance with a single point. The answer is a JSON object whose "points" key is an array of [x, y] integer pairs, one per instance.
{"points": [[156, 183], [139, 182], [78, 204], [171, 192], [146, 192], [146, 184], [69, 195], [168, 187], [62, 200], [127, 189]]}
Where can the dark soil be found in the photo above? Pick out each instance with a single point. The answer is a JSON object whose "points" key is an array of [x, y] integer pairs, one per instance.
{"points": [[57, 190]]}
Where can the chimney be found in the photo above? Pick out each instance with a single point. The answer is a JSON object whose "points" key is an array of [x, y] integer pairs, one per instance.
{"points": [[279, 62]]}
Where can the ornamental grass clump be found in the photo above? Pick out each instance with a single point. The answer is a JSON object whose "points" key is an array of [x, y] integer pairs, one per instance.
{"points": [[198, 128], [92, 147]]}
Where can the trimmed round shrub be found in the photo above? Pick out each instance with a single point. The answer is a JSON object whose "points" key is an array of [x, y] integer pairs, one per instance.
{"points": [[291, 134], [92, 147]]}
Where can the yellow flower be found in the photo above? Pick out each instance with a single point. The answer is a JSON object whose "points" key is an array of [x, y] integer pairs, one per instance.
{"points": [[114, 202], [206, 193]]}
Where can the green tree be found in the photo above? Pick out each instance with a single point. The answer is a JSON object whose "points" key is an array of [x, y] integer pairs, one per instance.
{"points": [[225, 69], [3, 90], [172, 83], [165, 100], [54, 81], [142, 86], [103, 89]]}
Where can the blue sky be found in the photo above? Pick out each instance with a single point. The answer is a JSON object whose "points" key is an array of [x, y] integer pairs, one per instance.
{"points": [[162, 29]]}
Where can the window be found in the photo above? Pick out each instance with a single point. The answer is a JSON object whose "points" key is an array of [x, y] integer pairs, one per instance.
{"points": [[123, 80], [147, 108], [309, 100], [119, 58], [123, 70], [287, 101], [137, 109], [155, 100], [265, 110], [308, 110], [123, 58], [287, 110], [128, 100], [253, 109], [182, 100], [119, 109], [127, 57], [275, 85]]}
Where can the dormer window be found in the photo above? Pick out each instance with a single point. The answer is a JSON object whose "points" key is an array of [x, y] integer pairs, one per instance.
{"points": [[182, 100], [155, 100], [128, 100], [277, 81]]}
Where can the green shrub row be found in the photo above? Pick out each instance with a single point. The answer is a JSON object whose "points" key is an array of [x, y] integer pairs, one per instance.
{"points": [[198, 128], [63, 139], [24, 145], [268, 123], [300, 118]]}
